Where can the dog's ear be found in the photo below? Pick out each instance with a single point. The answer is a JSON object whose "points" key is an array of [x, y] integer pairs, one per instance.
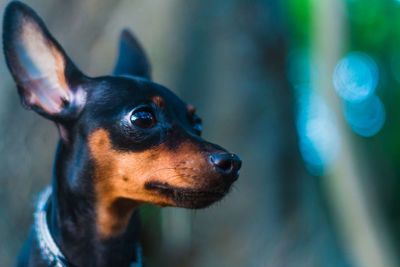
{"points": [[132, 59], [47, 80]]}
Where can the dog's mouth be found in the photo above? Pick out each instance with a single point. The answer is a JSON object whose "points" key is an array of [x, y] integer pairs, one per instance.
{"points": [[188, 197]]}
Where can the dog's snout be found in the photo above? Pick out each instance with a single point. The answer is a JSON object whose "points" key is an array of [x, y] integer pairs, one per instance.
{"points": [[226, 164]]}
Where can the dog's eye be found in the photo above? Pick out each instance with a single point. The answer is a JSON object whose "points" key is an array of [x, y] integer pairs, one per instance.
{"points": [[197, 127], [143, 118]]}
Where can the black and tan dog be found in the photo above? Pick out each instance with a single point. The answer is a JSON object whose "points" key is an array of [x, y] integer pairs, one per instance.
{"points": [[124, 141]]}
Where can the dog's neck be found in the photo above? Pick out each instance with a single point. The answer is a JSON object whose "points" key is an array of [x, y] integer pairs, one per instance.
{"points": [[72, 216]]}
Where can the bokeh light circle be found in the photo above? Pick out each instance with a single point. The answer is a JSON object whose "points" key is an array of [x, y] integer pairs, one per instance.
{"points": [[367, 117], [355, 77], [319, 138]]}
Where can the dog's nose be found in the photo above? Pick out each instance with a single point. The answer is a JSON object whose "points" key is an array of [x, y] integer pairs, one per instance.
{"points": [[226, 164]]}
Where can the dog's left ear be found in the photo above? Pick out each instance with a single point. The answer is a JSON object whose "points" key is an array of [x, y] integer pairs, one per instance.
{"points": [[132, 59], [47, 80]]}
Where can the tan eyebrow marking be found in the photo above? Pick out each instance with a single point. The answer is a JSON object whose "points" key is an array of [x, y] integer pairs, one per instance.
{"points": [[191, 109], [158, 101]]}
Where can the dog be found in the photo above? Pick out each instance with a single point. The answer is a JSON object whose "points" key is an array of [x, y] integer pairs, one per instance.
{"points": [[124, 141]]}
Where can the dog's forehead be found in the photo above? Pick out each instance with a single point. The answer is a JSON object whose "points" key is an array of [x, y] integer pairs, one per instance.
{"points": [[127, 92]]}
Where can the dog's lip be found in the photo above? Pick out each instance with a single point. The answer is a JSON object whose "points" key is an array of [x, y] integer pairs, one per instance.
{"points": [[179, 192]]}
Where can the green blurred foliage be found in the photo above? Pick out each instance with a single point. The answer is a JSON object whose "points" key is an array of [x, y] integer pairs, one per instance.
{"points": [[299, 21]]}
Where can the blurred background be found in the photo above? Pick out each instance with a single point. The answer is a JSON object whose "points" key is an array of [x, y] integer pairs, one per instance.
{"points": [[305, 91]]}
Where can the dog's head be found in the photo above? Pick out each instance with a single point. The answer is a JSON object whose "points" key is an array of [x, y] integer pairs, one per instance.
{"points": [[143, 141]]}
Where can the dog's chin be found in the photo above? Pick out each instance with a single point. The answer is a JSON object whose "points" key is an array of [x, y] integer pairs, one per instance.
{"points": [[189, 198]]}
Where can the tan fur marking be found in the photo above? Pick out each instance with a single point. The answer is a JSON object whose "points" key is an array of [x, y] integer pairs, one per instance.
{"points": [[191, 110], [124, 174], [158, 101]]}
